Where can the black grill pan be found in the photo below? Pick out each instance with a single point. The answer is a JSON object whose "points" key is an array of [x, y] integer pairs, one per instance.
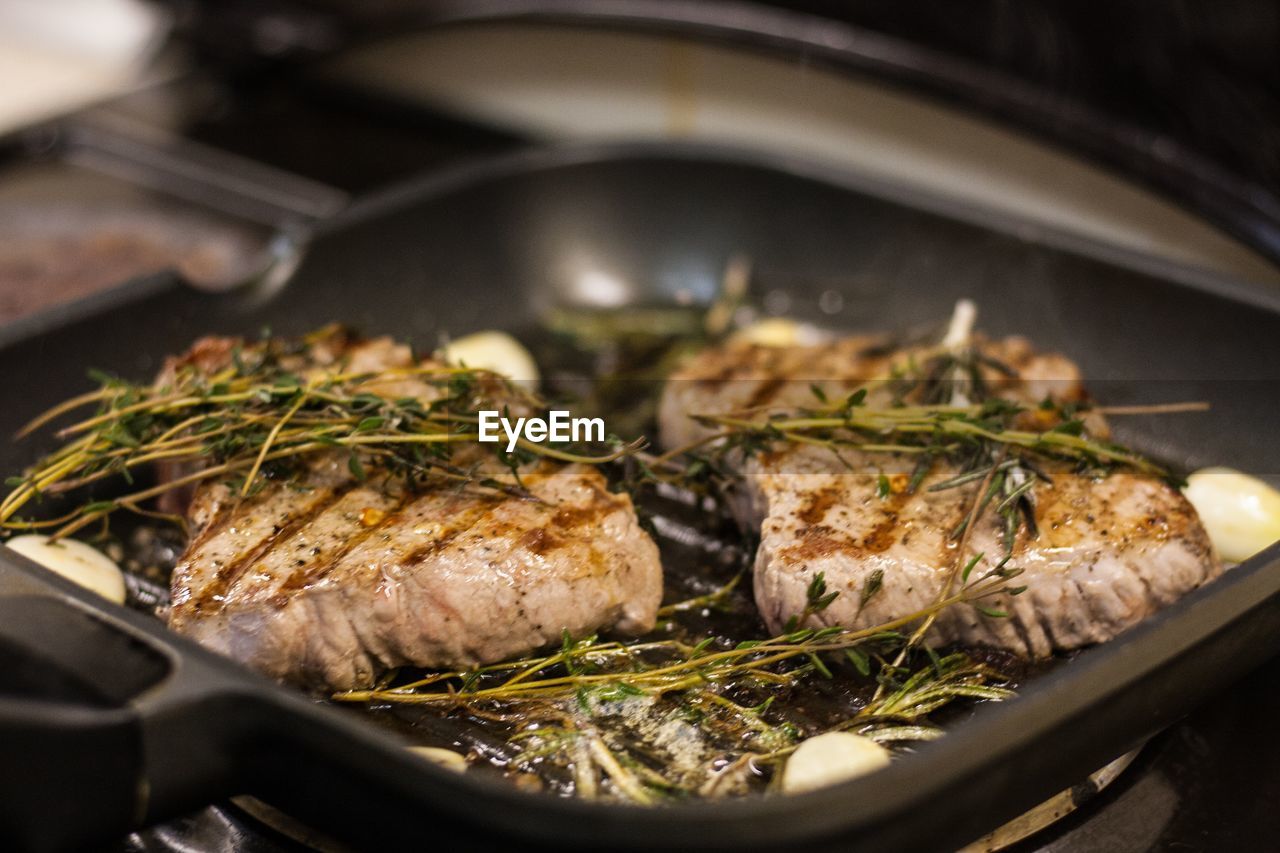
{"points": [[108, 721]]}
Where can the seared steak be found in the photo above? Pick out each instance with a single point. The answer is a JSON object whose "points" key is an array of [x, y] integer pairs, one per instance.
{"points": [[328, 580], [746, 377], [1108, 551]]}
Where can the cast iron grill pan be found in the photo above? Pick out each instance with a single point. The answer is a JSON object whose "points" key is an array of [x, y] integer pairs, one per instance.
{"points": [[110, 722]]}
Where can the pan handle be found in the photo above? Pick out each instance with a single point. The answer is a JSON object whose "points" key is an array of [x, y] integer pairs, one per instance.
{"points": [[109, 722], [71, 776], [103, 727]]}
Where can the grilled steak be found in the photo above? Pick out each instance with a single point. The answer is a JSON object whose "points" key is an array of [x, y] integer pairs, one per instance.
{"points": [[328, 580], [746, 377], [1108, 551]]}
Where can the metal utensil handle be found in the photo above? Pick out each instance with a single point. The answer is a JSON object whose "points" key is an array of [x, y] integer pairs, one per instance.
{"points": [[198, 173]]}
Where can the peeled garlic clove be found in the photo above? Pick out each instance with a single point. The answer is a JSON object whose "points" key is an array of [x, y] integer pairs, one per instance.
{"points": [[1241, 513], [831, 758], [496, 351], [779, 332], [75, 561], [446, 758]]}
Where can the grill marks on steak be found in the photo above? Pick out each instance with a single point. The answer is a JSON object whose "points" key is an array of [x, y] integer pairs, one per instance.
{"points": [[328, 581], [1109, 551], [436, 578], [747, 377]]}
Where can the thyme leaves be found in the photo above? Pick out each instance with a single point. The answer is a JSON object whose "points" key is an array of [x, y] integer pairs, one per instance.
{"points": [[265, 416], [602, 707]]}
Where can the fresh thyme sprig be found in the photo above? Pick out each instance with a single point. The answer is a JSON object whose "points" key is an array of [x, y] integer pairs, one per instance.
{"points": [[263, 416], [573, 704], [933, 430], [896, 715], [741, 740], [942, 407], [662, 666], [941, 404]]}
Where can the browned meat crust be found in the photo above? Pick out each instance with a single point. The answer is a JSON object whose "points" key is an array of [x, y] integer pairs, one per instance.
{"points": [[1110, 550], [328, 581]]}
